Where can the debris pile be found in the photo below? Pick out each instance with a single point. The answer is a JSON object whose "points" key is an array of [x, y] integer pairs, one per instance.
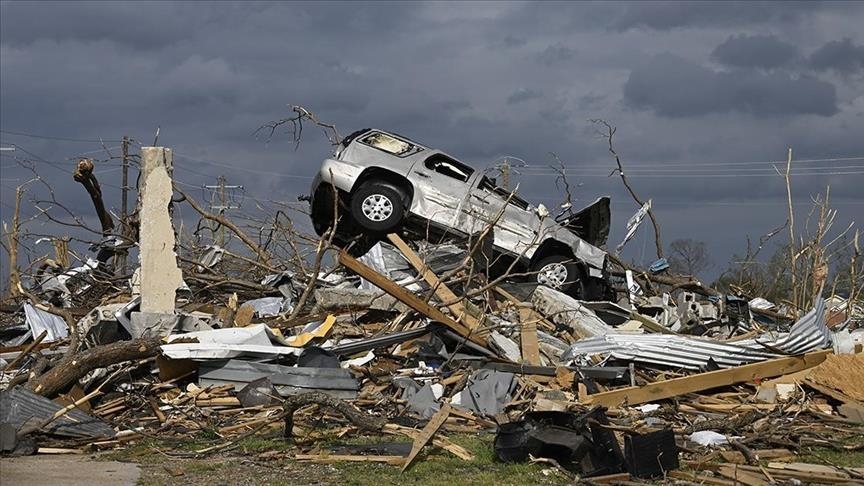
{"points": [[410, 340]]}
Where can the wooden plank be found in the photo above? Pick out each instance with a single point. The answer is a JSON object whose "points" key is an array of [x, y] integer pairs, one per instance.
{"points": [[438, 440], [427, 433], [705, 381], [699, 478], [530, 345], [441, 291], [406, 297], [651, 324], [609, 478], [739, 475], [537, 317], [331, 458]]}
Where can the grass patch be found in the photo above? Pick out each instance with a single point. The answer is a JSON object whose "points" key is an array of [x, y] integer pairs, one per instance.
{"points": [[832, 457], [437, 467]]}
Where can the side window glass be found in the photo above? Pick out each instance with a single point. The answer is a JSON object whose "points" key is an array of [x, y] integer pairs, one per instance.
{"points": [[449, 167]]}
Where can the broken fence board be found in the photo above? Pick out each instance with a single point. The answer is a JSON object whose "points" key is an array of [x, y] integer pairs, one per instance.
{"points": [[706, 381]]}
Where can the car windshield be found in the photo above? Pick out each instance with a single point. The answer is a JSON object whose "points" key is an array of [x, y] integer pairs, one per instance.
{"points": [[389, 144]]}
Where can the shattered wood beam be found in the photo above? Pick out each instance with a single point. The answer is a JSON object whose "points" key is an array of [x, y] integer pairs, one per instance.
{"points": [[441, 291], [160, 276], [635, 395], [73, 367], [406, 297]]}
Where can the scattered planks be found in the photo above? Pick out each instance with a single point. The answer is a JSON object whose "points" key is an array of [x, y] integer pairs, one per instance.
{"points": [[441, 291], [705, 381], [407, 297]]}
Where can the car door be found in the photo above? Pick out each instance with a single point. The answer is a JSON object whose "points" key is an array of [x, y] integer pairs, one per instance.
{"points": [[516, 226], [442, 190]]}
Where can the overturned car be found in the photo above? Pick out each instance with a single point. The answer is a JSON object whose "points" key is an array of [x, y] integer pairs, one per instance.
{"points": [[382, 182]]}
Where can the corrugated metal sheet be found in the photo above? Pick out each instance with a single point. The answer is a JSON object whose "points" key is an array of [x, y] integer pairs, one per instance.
{"points": [[18, 406], [808, 334], [288, 380]]}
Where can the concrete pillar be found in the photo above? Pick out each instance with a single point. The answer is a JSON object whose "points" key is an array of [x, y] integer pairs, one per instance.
{"points": [[160, 276]]}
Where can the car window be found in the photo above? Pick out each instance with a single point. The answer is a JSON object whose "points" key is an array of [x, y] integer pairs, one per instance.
{"points": [[449, 167], [489, 185], [389, 144]]}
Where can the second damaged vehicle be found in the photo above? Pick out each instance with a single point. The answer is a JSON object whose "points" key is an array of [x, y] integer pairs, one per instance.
{"points": [[385, 182]]}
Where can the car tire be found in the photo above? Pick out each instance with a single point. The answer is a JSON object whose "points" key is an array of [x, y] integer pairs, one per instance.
{"points": [[560, 273], [377, 207]]}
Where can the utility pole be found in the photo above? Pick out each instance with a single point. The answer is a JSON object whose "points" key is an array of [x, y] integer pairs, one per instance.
{"points": [[125, 189], [120, 262], [225, 194]]}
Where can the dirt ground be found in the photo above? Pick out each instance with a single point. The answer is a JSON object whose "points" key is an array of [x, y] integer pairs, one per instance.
{"points": [[68, 470]]}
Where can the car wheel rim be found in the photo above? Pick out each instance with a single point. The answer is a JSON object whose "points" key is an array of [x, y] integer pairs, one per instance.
{"points": [[377, 207], [553, 275]]}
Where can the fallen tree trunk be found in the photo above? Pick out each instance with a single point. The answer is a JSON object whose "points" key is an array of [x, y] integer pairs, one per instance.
{"points": [[676, 282], [71, 368], [358, 418]]}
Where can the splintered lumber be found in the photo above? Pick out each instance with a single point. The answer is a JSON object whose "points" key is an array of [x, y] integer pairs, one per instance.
{"points": [[441, 291], [635, 395], [406, 297], [530, 345], [427, 433], [74, 366], [438, 440]]}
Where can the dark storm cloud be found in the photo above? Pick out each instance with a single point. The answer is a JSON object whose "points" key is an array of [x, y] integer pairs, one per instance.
{"points": [[210, 73], [671, 15], [511, 41], [842, 56], [674, 87], [522, 94], [556, 54], [755, 51]]}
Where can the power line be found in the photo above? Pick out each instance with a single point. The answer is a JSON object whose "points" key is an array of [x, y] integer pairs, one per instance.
{"points": [[697, 164], [703, 169], [242, 169], [706, 176], [51, 137]]}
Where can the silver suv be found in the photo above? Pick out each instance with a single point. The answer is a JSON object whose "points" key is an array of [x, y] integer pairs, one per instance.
{"points": [[386, 182]]}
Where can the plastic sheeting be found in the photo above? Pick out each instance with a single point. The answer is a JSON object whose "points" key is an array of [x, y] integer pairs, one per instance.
{"points": [[808, 334], [39, 321]]}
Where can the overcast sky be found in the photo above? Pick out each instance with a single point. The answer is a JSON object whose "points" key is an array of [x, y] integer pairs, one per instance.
{"points": [[704, 95]]}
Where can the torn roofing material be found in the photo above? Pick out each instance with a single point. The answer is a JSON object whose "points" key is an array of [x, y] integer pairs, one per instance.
{"points": [[287, 380], [19, 406], [808, 334]]}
